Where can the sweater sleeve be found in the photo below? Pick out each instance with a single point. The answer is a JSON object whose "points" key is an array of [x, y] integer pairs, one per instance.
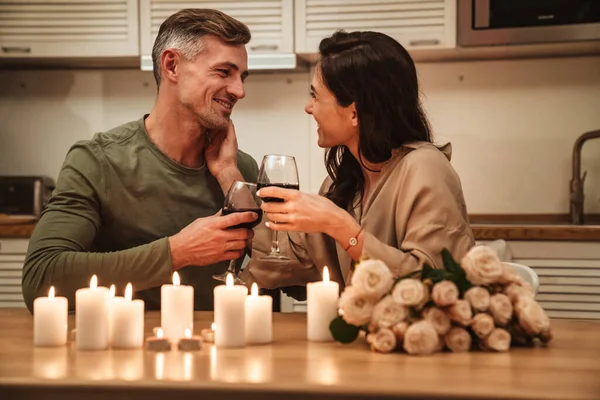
{"points": [[429, 214], [60, 250]]}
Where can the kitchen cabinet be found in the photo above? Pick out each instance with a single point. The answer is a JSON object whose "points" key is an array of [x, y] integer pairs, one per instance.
{"points": [[12, 257], [271, 23], [416, 25], [68, 28]]}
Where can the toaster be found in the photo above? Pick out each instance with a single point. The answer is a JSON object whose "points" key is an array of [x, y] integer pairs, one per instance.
{"points": [[24, 196]]}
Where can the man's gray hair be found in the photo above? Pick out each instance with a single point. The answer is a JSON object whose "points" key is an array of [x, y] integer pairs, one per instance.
{"points": [[184, 30]]}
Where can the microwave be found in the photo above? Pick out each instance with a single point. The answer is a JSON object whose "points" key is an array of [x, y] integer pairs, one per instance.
{"points": [[512, 22], [24, 196]]}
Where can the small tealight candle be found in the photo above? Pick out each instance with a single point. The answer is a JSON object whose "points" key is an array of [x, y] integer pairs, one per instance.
{"points": [[127, 322], [158, 342], [189, 342], [91, 317], [50, 320], [230, 312], [176, 308], [321, 307], [259, 317], [208, 334]]}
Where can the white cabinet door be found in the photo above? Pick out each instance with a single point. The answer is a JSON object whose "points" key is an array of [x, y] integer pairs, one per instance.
{"points": [[423, 24], [12, 256], [68, 28], [569, 275], [271, 23]]}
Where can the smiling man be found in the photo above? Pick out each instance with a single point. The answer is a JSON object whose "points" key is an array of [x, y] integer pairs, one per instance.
{"points": [[142, 200]]}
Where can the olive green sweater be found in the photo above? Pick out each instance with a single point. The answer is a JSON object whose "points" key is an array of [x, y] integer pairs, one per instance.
{"points": [[117, 199]]}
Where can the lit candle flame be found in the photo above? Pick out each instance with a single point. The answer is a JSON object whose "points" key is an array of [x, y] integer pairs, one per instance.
{"points": [[159, 333], [254, 290], [51, 292], [213, 327], [325, 274], [176, 280], [229, 280], [111, 291], [94, 282], [187, 333], [128, 292]]}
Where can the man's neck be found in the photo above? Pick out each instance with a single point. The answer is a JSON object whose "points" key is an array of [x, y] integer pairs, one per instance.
{"points": [[177, 134]]}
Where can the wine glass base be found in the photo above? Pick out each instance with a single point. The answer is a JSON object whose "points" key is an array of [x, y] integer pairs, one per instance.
{"points": [[223, 278], [275, 257]]}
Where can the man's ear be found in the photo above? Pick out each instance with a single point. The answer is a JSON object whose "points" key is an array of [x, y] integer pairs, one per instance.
{"points": [[169, 64]]}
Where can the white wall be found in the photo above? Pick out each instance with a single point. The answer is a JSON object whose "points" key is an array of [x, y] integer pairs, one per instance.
{"points": [[512, 123]]}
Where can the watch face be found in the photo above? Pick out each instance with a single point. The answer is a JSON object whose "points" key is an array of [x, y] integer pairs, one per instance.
{"points": [[353, 241]]}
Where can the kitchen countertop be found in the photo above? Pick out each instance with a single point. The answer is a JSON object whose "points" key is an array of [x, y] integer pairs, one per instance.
{"points": [[485, 227], [292, 368]]}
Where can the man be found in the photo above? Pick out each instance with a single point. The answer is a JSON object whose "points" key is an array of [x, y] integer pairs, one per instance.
{"points": [[142, 200]]}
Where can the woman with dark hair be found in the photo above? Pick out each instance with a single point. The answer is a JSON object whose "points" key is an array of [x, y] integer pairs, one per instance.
{"points": [[390, 194]]}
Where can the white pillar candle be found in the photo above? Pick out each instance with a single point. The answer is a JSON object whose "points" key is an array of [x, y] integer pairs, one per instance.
{"points": [[176, 309], [321, 307], [91, 317], [127, 322], [50, 320], [230, 311], [259, 317], [112, 302]]}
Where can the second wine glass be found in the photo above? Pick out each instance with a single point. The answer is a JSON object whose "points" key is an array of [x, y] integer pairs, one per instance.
{"points": [[281, 171], [241, 197]]}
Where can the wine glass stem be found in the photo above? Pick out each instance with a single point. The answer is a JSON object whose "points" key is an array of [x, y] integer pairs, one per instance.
{"points": [[274, 243]]}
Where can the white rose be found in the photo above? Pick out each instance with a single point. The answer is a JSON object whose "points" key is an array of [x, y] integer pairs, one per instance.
{"points": [[420, 338], [498, 340], [482, 325], [438, 319], [388, 313], [515, 291], [532, 318], [400, 330], [356, 307], [478, 297], [383, 341], [444, 293], [410, 293], [509, 275], [373, 278], [501, 308], [482, 266], [460, 312], [458, 340]]}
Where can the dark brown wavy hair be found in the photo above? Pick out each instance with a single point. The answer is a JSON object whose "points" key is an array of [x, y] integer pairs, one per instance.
{"points": [[376, 73]]}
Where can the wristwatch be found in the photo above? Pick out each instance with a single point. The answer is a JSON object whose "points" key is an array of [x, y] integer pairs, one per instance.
{"points": [[353, 241]]}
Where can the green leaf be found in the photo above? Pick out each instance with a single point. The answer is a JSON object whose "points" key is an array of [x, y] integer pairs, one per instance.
{"points": [[457, 273], [342, 331], [426, 271]]}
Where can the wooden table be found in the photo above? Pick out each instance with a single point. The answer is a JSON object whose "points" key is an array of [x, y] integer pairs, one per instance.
{"points": [[291, 368]]}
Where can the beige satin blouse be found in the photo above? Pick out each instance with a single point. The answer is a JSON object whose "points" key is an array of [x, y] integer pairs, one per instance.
{"points": [[415, 210]]}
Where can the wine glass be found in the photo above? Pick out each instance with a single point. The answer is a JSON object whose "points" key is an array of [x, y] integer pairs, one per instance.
{"points": [[281, 171], [241, 197]]}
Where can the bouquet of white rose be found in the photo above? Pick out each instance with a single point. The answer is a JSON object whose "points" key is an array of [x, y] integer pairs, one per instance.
{"points": [[479, 303]]}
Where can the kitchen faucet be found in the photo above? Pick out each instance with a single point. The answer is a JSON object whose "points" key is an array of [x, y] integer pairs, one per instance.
{"points": [[576, 198]]}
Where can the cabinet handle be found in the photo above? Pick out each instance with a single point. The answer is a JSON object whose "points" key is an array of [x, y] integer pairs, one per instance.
{"points": [[424, 42], [15, 49], [264, 47]]}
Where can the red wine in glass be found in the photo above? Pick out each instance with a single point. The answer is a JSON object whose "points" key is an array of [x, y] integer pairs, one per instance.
{"points": [[293, 186], [247, 225]]}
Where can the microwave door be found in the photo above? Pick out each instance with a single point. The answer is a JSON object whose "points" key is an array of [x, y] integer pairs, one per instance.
{"points": [[505, 22]]}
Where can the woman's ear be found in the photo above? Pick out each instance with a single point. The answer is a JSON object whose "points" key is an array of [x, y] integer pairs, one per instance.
{"points": [[353, 115]]}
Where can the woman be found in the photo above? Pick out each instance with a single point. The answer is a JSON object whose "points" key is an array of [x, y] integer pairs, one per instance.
{"points": [[391, 194]]}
